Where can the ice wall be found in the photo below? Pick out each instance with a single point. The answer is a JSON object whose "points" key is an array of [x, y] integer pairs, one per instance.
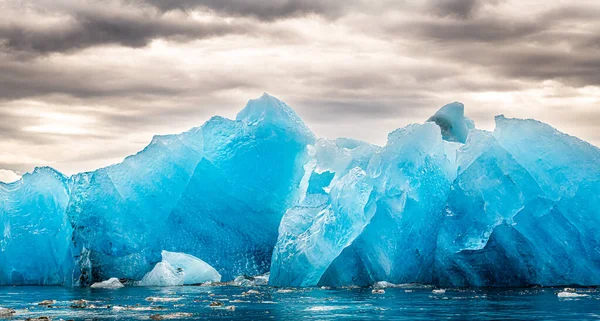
{"points": [[35, 246]]}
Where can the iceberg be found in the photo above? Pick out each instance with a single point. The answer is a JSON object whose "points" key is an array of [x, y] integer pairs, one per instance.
{"points": [[442, 203]]}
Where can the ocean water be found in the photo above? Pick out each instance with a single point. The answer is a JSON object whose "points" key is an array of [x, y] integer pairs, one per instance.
{"points": [[193, 303]]}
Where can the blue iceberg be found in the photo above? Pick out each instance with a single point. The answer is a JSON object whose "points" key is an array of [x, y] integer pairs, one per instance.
{"points": [[441, 203]]}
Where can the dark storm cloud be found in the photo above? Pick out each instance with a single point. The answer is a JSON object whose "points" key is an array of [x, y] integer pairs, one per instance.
{"points": [[23, 79], [575, 69], [31, 79], [560, 44], [261, 9], [87, 28], [488, 30], [457, 8]]}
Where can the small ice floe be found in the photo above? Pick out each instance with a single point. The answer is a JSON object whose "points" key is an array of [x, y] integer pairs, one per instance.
{"points": [[112, 283], [325, 288], [250, 292], [159, 299], [6, 312], [79, 304], [320, 308], [378, 291], [438, 291], [569, 293], [386, 284], [285, 291], [176, 315], [47, 302], [136, 308]]}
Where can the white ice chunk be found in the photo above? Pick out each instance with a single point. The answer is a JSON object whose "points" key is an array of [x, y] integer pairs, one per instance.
{"points": [[163, 274], [112, 283], [195, 270], [566, 294]]}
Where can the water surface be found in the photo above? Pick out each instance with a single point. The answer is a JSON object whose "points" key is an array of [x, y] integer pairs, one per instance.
{"points": [[193, 303]]}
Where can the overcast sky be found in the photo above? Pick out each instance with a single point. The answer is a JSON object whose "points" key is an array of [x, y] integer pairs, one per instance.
{"points": [[85, 83]]}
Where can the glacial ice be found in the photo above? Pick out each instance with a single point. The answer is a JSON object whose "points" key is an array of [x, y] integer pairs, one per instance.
{"points": [[179, 269], [216, 192], [196, 271], [453, 123], [410, 176], [112, 283], [442, 203], [163, 274], [36, 247]]}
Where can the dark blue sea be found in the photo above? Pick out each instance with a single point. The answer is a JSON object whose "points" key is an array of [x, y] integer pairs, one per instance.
{"points": [[267, 303]]}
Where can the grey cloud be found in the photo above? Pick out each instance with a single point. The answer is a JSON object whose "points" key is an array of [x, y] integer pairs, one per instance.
{"points": [[461, 9], [31, 78], [268, 10], [576, 69], [458, 8], [82, 28], [486, 30], [11, 129], [542, 47]]}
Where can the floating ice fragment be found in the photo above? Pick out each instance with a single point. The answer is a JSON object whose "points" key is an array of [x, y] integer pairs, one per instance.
{"points": [[163, 274], [195, 270], [566, 294], [112, 283]]}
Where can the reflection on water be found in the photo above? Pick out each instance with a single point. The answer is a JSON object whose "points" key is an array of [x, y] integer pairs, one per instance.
{"points": [[265, 303]]}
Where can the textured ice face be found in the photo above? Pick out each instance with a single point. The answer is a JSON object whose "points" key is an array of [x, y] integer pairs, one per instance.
{"points": [[35, 245], [332, 212], [372, 217], [251, 172], [217, 192], [411, 176], [490, 190]]}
